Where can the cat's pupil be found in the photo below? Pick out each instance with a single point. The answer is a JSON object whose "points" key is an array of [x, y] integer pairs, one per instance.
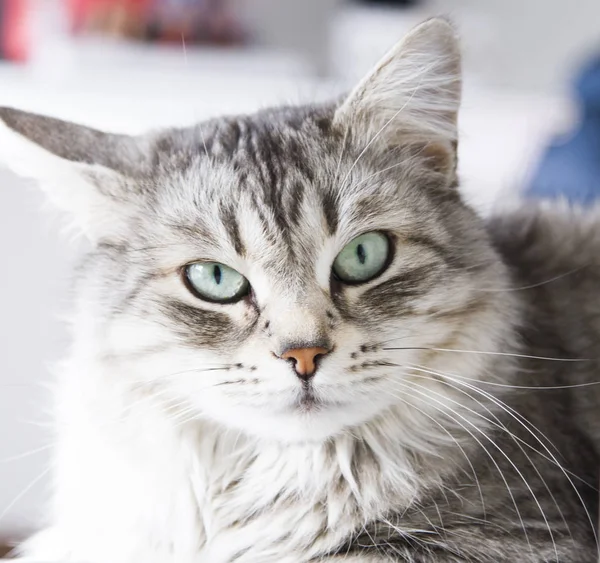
{"points": [[217, 274], [362, 255]]}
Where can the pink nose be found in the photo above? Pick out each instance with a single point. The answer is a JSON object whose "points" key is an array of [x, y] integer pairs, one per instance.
{"points": [[304, 360]]}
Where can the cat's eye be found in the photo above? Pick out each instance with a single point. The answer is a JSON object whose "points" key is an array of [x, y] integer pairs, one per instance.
{"points": [[215, 282], [363, 258]]}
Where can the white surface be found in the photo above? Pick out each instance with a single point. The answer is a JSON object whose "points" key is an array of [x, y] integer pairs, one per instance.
{"points": [[500, 135]]}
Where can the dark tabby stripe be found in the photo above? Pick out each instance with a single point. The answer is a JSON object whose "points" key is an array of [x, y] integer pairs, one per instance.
{"points": [[229, 220], [393, 297], [330, 210], [201, 328]]}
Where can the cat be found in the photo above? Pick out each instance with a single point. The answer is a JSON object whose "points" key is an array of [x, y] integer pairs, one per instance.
{"points": [[293, 342]]}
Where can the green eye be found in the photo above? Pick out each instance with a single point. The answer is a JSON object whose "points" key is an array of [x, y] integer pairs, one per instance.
{"points": [[363, 258], [216, 282]]}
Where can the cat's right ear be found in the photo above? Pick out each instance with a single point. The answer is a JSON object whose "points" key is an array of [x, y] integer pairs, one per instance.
{"points": [[411, 96], [87, 173]]}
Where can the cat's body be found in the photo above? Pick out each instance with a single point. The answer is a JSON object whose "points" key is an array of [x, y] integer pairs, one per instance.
{"points": [[179, 495], [428, 433]]}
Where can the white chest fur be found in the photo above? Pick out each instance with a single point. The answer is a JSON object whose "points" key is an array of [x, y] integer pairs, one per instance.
{"points": [[139, 489]]}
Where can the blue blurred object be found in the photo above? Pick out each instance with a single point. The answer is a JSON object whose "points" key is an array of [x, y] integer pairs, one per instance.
{"points": [[571, 168]]}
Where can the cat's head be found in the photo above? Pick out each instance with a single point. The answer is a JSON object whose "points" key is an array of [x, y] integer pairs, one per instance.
{"points": [[286, 273]]}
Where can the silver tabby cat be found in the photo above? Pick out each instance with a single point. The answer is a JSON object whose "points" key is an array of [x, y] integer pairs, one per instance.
{"points": [[294, 343]]}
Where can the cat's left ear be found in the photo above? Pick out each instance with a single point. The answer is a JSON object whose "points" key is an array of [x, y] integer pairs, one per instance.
{"points": [[412, 95], [87, 173]]}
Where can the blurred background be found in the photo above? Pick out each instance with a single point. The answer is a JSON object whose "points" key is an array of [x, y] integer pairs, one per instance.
{"points": [[131, 65]]}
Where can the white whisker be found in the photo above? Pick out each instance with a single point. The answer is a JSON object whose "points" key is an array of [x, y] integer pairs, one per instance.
{"points": [[381, 130], [531, 286], [28, 488], [500, 450], [441, 426], [498, 424], [25, 454], [511, 412], [185, 60], [451, 417], [486, 353]]}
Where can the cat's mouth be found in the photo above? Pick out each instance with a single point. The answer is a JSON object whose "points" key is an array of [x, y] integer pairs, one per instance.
{"points": [[308, 401]]}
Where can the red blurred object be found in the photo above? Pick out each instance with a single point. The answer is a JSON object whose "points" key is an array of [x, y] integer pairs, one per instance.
{"points": [[195, 21], [112, 16], [14, 33]]}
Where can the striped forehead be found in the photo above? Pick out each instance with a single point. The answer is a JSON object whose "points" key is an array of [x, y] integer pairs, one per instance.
{"points": [[282, 228], [279, 190], [274, 194]]}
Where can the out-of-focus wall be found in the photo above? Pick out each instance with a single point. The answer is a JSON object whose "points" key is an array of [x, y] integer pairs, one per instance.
{"points": [[527, 44], [519, 45], [33, 285], [301, 26]]}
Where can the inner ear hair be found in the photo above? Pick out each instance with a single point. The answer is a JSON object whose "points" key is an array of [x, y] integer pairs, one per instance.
{"points": [[441, 156]]}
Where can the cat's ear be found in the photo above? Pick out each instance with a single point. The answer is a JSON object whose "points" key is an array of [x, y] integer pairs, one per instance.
{"points": [[412, 94], [84, 172]]}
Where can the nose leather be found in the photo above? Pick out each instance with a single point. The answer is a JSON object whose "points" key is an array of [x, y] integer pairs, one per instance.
{"points": [[304, 359]]}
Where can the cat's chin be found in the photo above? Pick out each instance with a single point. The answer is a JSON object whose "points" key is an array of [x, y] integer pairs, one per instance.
{"points": [[301, 422]]}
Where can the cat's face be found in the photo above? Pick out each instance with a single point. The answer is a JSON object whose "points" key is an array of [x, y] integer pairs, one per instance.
{"points": [[264, 271], [236, 259]]}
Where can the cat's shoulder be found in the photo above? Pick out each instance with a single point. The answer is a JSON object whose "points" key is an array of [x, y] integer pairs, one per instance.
{"points": [[545, 237], [552, 250]]}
